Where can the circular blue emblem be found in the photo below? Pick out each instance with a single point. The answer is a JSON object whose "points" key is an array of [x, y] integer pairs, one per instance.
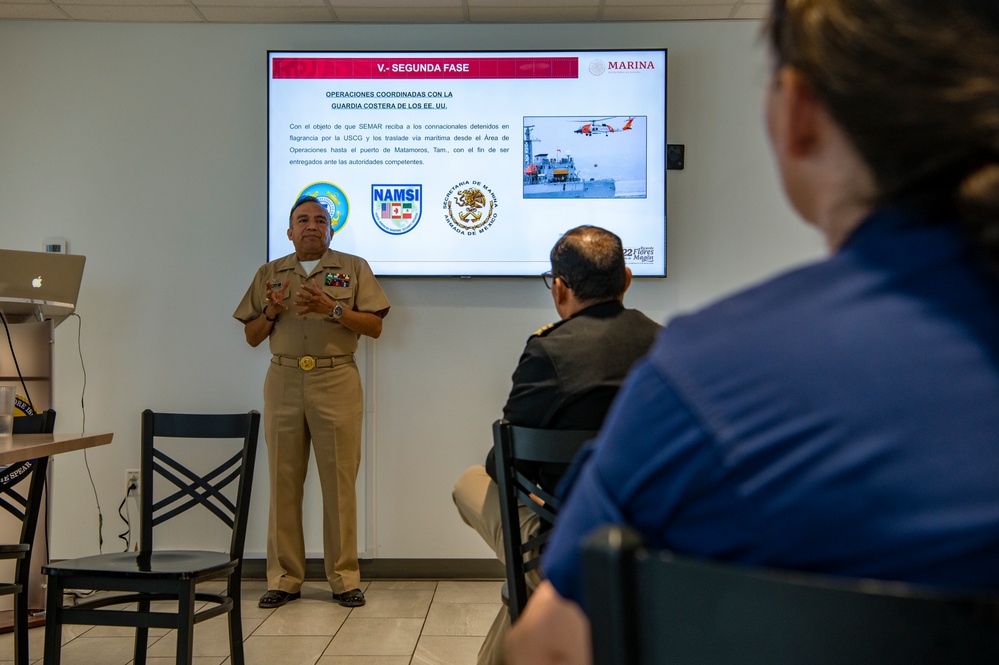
{"points": [[333, 199]]}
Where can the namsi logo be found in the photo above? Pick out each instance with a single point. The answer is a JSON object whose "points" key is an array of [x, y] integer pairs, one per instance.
{"points": [[630, 65], [396, 209]]}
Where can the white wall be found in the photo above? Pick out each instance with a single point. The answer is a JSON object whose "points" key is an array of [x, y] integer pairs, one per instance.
{"points": [[144, 145]]}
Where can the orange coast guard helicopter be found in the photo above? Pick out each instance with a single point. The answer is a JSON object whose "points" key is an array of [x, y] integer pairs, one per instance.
{"points": [[592, 127]]}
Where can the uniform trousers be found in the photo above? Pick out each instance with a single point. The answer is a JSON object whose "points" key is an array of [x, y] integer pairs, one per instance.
{"points": [[321, 410], [477, 498]]}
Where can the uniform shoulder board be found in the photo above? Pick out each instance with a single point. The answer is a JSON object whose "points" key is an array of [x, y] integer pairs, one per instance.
{"points": [[541, 332]]}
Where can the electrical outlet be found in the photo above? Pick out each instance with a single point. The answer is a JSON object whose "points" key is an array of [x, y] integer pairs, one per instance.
{"points": [[132, 482]]}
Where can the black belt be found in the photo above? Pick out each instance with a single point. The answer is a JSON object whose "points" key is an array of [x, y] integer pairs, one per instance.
{"points": [[309, 363]]}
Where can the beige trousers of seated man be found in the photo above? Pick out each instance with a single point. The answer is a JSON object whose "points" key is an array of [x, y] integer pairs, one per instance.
{"points": [[477, 498]]}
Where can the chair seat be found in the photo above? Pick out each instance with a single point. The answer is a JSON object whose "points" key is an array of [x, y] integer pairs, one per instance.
{"points": [[167, 564]]}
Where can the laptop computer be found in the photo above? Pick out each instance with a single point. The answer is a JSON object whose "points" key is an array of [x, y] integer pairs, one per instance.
{"points": [[39, 285]]}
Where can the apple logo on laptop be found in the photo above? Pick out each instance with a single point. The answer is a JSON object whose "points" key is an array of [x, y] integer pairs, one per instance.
{"points": [[37, 282]]}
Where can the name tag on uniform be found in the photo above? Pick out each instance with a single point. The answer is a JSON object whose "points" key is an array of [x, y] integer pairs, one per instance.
{"points": [[337, 279]]}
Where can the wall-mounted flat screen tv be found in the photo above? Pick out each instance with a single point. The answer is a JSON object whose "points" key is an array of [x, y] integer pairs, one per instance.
{"points": [[470, 164]]}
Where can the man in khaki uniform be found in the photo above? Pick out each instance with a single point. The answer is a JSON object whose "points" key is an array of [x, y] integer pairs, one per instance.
{"points": [[314, 305]]}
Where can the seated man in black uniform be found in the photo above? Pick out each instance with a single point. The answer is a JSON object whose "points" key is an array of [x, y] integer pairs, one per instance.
{"points": [[567, 377]]}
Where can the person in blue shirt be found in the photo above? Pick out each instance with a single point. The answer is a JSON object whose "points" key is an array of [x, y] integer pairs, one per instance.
{"points": [[841, 418]]}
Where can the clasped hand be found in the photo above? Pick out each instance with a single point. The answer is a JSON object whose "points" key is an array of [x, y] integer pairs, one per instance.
{"points": [[312, 299], [276, 296]]}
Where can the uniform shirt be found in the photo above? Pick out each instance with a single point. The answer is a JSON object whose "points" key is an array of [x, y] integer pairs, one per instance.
{"points": [[842, 418], [570, 372], [343, 277]]}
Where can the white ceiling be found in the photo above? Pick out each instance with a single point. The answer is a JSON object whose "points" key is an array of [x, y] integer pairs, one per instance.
{"points": [[380, 11]]}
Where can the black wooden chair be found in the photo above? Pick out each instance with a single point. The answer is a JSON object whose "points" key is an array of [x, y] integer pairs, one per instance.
{"points": [[154, 574], [25, 509], [652, 607], [514, 446]]}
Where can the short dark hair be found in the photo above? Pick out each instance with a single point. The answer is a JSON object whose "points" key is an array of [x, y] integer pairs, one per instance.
{"points": [[590, 261], [306, 198]]}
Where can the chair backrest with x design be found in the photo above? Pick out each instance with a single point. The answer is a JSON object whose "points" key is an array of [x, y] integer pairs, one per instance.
{"points": [[26, 510], [514, 446], [11, 499], [189, 489]]}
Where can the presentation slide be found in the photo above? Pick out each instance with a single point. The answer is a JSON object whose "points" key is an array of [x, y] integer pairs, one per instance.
{"points": [[470, 164]]}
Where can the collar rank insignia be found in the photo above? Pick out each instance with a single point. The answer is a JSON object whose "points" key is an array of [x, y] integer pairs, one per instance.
{"points": [[338, 279]]}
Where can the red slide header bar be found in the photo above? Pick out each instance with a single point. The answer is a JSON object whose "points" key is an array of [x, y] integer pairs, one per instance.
{"points": [[425, 68]]}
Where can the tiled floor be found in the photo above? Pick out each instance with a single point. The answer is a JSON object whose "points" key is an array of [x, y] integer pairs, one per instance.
{"points": [[403, 623]]}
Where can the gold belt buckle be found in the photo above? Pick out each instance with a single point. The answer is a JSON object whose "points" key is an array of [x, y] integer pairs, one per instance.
{"points": [[307, 363]]}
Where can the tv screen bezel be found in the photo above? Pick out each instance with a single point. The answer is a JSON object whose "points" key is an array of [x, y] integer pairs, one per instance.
{"points": [[664, 51]]}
